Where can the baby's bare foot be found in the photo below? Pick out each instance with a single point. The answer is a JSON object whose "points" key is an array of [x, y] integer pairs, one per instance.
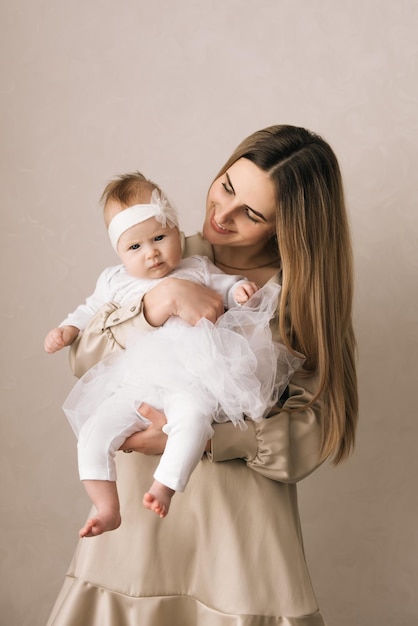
{"points": [[101, 523], [158, 498]]}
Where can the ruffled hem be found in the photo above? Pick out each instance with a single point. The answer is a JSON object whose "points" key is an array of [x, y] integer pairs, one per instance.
{"points": [[83, 604]]}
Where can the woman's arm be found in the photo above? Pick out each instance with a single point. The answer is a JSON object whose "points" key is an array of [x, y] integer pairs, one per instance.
{"points": [[285, 446], [108, 329], [183, 298]]}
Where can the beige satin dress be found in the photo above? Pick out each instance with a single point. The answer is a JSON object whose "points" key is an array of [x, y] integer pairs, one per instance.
{"points": [[230, 551]]}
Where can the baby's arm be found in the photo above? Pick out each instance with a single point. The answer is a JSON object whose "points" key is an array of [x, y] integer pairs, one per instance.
{"points": [[234, 289], [58, 338], [65, 334], [244, 291]]}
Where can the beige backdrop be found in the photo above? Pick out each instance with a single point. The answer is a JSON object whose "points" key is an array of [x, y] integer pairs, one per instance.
{"points": [[95, 88]]}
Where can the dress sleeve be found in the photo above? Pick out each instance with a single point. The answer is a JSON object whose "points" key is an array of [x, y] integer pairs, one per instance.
{"points": [[284, 446]]}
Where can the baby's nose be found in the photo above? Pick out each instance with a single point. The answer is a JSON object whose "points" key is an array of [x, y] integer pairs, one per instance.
{"points": [[153, 253]]}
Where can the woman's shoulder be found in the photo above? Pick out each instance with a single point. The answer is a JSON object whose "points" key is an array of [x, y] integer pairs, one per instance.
{"points": [[196, 245]]}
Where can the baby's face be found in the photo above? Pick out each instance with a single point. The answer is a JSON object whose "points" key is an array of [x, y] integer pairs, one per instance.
{"points": [[148, 250]]}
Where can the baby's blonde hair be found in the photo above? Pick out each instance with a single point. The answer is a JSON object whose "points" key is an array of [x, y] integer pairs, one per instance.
{"points": [[126, 190]]}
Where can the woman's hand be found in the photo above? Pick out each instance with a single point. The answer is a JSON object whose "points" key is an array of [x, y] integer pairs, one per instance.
{"points": [[187, 300], [152, 440]]}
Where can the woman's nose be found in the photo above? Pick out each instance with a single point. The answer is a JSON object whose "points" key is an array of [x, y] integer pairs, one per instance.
{"points": [[225, 213]]}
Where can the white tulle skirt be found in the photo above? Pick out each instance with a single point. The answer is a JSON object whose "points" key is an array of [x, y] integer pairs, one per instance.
{"points": [[233, 366]]}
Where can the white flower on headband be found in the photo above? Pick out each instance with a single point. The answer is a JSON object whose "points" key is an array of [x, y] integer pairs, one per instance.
{"points": [[159, 207], [166, 213]]}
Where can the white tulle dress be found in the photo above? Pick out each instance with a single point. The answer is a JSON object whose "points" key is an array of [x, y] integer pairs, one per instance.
{"points": [[195, 374]]}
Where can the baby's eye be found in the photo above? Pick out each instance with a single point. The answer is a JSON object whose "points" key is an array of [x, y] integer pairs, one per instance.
{"points": [[134, 246], [159, 238]]}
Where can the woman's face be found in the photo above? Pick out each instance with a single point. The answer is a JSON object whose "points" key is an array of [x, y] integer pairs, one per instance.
{"points": [[240, 207]]}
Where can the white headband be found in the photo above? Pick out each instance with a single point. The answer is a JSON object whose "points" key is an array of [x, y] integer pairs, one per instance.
{"points": [[159, 208]]}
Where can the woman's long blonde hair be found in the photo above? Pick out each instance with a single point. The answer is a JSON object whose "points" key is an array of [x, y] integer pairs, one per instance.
{"points": [[314, 246]]}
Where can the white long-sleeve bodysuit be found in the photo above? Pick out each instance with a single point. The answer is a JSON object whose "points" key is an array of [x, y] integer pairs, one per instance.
{"points": [[114, 283]]}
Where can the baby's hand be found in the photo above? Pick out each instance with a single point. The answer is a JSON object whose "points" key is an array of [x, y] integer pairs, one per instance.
{"points": [[58, 338], [244, 291]]}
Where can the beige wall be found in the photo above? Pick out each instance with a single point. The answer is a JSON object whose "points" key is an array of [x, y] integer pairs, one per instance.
{"points": [[94, 88]]}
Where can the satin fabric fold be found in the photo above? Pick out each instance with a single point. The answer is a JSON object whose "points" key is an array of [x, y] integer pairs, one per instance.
{"points": [[215, 560]]}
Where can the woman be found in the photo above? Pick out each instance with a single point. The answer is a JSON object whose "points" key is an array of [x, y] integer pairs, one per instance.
{"points": [[231, 551]]}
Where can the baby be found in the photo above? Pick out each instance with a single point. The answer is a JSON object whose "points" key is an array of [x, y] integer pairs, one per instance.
{"points": [[195, 374]]}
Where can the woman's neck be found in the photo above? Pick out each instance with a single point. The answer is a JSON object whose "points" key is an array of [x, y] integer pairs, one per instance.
{"points": [[258, 267], [242, 259]]}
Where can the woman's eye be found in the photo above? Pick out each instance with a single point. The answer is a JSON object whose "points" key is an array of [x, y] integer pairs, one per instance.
{"points": [[159, 238], [134, 246], [251, 216], [227, 188]]}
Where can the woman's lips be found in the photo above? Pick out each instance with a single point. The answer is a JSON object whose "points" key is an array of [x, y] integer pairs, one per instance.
{"points": [[218, 228]]}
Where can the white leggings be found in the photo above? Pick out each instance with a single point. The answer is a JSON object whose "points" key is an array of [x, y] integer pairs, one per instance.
{"points": [[188, 431]]}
